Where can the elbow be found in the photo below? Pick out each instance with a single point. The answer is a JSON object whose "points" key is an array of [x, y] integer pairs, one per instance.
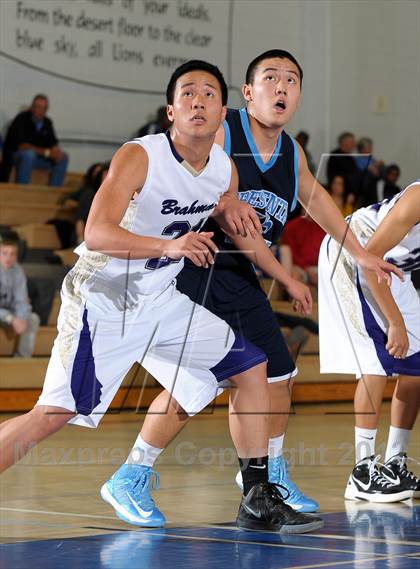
{"points": [[91, 237]]}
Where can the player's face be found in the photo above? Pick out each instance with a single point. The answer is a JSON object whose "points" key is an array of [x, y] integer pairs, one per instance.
{"points": [[8, 256], [274, 95], [197, 109]]}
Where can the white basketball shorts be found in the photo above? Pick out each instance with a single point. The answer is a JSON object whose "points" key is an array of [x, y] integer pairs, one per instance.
{"points": [[189, 350], [352, 328]]}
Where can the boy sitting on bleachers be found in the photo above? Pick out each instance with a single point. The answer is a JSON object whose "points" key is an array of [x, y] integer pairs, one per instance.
{"points": [[15, 310]]}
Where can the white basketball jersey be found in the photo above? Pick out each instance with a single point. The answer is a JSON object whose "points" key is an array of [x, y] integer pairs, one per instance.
{"points": [[173, 201], [405, 255]]}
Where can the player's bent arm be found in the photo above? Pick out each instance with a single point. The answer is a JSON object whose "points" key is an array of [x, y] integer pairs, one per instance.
{"points": [[127, 175], [398, 222], [319, 204]]}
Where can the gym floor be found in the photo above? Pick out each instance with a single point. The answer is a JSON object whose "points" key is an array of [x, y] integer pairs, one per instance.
{"points": [[51, 514]]}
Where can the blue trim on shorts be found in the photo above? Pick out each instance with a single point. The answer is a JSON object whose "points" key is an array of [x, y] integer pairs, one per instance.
{"points": [[85, 386], [242, 356], [391, 365]]}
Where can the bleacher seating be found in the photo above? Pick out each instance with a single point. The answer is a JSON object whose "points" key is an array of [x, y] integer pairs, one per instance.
{"points": [[23, 204], [38, 235]]}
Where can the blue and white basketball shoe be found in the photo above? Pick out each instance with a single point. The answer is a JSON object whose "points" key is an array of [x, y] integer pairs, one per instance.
{"points": [[278, 474], [128, 492]]}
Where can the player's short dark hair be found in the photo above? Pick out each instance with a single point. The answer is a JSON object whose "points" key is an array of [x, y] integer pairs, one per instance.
{"points": [[196, 65], [280, 53]]}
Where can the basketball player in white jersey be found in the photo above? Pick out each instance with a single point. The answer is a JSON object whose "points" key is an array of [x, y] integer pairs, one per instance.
{"points": [[373, 331], [120, 304]]}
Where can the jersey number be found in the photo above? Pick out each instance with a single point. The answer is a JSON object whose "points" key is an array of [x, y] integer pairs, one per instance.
{"points": [[175, 229]]}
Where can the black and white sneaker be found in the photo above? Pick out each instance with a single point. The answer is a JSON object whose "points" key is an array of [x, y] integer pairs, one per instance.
{"points": [[395, 470], [263, 509], [367, 482]]}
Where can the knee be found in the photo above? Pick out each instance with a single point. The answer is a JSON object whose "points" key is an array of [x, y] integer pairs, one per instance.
{"points": [[64, 161], [28, 156], [50, 419], [180, 411], [255, 376], [33, 321], [280, 386], [408, 388]]}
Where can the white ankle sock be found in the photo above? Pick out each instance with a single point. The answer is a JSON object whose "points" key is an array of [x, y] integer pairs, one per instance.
{"points": [[275, 446], [143, 453], [364, 442], [397, 441]]}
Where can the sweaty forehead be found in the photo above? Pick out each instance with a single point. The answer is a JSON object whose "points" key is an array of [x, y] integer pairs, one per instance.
{"points": [[281, 64]]}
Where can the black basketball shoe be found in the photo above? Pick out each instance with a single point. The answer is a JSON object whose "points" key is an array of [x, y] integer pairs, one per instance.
{"points": [[395, 470], [263, 509], [367, 482]]}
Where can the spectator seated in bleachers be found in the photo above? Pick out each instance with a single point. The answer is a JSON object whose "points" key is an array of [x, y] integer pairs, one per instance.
{"points": [[387, 187], [89, 179], [160, 124], [343, 200], [31, 143], [304, 237], [16, 315], [66, 228], [342, 163], [86, 200], [370, 170], [303, 138], [366, 161]]}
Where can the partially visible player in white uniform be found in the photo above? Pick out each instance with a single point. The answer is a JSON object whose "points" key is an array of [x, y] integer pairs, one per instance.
{"points": [[373, 331], [120, 304]]}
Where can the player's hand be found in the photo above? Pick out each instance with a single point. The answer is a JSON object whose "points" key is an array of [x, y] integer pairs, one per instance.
{"points": [[198, 247], [301, 295], [19, 325], [397, 344], [382, 269], [239, 218]]}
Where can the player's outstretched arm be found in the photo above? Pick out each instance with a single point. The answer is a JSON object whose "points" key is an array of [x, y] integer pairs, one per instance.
{"points": [[319, 204], [127, 175], [256, 250], [398, 222]]}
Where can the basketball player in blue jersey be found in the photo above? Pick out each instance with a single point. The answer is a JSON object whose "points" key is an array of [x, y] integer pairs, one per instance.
{"points": [[376, 331], [273, 175], [120, 304]]}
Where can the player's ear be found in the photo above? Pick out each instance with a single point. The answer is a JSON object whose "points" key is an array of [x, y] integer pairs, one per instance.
{"points": [[224, 111], [170, 112], [247, 92]]}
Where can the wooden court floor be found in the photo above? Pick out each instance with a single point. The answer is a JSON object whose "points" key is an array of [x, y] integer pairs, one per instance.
{"points": [[50, 501]]}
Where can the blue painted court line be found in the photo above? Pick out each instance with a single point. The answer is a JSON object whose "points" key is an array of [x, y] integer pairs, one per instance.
{"points": [[366, 537]]}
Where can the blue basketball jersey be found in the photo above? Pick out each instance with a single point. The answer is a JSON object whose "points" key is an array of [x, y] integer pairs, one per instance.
{"points": [[269, 186]]}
